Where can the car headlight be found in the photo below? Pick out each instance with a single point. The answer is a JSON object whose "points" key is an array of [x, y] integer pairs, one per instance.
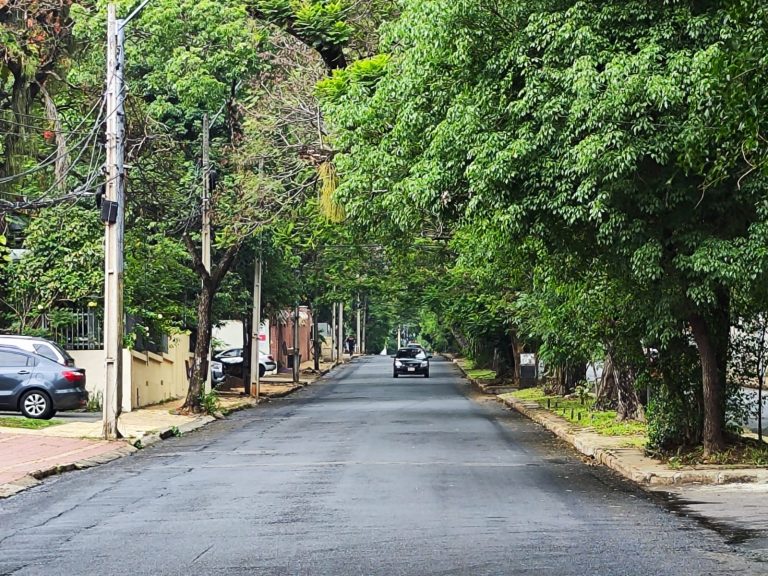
{"points": [[216, 366], [424, 364], [398, 364]]}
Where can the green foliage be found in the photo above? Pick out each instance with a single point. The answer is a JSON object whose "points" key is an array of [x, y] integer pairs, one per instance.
{"points": [[94, 402], [594, 201], [675, 407], [62, 265], [317, 22], [360, 75], [209, 403], [5, 253]]}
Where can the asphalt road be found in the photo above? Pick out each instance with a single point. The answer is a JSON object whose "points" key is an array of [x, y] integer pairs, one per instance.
{"points": [[359, 475]]}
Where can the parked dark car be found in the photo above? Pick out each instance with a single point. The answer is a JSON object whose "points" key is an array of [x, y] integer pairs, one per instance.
{"points": [[230, 363], [411, 361], [37, 386]]}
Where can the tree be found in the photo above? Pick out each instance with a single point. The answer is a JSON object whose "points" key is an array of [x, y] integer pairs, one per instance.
{"points": [[61, 265], [580, 125], [34, 42]]}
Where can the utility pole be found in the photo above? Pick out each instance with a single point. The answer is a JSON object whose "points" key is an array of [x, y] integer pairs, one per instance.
{"points": [[316, 348], [334, 334], [358, 336], [206, 232], [399, 332], [296, 349], [255, 331], [363, 343], [113, 215], [341, 332]]}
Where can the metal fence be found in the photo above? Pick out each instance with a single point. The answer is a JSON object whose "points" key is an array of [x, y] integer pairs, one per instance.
{"points": [[85, 331]]}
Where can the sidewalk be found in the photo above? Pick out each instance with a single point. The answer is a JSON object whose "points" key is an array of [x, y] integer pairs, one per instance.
{"points": [[29, 455], [612, 451]]}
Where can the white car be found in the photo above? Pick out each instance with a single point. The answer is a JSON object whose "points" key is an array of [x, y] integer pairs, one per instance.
{"points": [[230, 362]]}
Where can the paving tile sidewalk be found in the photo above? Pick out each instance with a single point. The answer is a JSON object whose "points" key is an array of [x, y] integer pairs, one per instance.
{"points": [[28, 455], [26, 459], [630, 462]]}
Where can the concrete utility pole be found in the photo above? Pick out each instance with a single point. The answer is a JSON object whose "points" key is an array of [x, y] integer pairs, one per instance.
{"points": [[113, 215], [341, 332], [296, 350], [255, 379], [334, 334], [358, 336], [206, 232], [363, 343], [399, 343]]}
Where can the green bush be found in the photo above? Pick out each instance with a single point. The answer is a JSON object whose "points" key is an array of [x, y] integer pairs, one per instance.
{"points": [[675, 408]]}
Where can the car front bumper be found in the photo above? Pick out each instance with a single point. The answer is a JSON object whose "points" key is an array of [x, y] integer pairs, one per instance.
{"points": [[414, 370]]}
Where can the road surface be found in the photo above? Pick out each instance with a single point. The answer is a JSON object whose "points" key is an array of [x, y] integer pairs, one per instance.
{"points": [[361, 474]]}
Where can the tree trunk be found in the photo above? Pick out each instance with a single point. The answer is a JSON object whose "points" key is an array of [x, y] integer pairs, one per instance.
{"points": [[200, 366], [617, 390], [517, 348], [567, 376], [248, 344], [714, 411], [459, 337], [605, 397], [210, 285]]}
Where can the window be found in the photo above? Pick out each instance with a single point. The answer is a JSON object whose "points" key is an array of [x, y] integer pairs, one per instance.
{"points": [[12, 359], [411, 353], [46, 352]]}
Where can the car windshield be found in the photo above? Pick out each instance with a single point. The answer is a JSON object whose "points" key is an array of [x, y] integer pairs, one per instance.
{"points": [[410, 353]]}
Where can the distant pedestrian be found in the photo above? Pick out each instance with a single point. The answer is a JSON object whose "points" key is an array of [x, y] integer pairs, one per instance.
{"points": [[350, 345]]}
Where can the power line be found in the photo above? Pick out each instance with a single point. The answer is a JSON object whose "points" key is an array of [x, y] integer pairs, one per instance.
{"points": [[55, 156]]}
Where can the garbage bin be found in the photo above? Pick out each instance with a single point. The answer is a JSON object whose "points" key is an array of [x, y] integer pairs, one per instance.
{"points": [[528, 371], [293, 354]]}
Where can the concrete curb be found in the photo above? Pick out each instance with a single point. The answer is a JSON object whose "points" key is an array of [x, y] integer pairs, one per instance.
{"points": [[35, 478], [631, 463], [647, 472]]}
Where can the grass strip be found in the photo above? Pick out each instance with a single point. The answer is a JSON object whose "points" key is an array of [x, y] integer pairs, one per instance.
{"points": [[28, 423], [581, 414]]}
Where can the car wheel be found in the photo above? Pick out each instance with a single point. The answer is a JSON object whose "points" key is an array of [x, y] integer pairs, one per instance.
{"points": [[262, 370], [395, 374], [36, 404], [426, 374]]}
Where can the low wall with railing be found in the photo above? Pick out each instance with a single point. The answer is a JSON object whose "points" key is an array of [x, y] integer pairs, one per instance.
{"points": [[148, 378]]}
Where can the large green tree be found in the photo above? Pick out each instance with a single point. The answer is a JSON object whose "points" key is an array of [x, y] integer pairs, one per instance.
{"points": [[587, 125]]}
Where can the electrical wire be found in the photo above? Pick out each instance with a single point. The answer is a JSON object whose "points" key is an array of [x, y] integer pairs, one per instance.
{"points": [[55, 156]]}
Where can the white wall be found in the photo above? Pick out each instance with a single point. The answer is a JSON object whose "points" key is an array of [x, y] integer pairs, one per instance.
{"points": [[230, 333], [92, 361], [147, 378]]}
